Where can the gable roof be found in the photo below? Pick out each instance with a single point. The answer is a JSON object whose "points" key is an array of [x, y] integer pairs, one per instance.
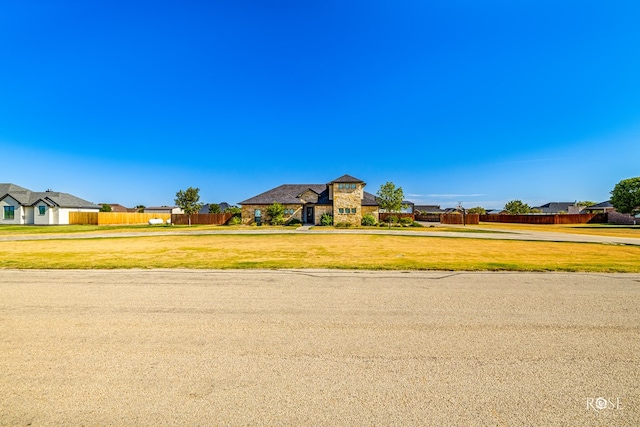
{"points": [[288, 194], [51, 198], [555, 207], [347, 178], [601, 205]]}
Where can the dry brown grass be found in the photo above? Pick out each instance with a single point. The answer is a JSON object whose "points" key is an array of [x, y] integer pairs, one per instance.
{"points": [[319, 251]]}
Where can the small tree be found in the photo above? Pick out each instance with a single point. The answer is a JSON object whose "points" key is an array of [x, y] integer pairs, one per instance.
{"points": [[477, 210], [390, 199], [275, 212], [140, 208], [214, 208], [189, 201], [236, 211], [106, 208], [586, 203], [625, 196], [516, 207]]}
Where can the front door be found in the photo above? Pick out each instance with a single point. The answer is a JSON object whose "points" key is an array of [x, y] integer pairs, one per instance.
{"points": [[310, 218]]}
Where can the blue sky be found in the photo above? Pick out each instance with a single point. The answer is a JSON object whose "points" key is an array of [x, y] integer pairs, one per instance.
{"points": [[478, 102]]}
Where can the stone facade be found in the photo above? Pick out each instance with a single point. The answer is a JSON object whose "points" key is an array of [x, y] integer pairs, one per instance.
{"points": [[320, 210], [343, 198], [249, 213], [347, 203]]}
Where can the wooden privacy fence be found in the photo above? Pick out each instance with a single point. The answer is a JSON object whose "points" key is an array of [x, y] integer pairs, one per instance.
{"points": [[114, 218], [454, 218], [432, 217], [547, 219], [211, 219]]}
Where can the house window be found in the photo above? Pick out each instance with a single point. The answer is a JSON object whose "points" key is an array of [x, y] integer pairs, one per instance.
{"points": [[41, 210], [341, 210], [9, 212], [257, 213], [353, 210]]}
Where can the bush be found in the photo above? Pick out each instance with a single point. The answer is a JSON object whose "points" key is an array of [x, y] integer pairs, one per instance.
{"points": [[275, 212], [326, 219], [416, 224], [393, 219], [343, 225], [405, 220], [294, 221], [235, 220], [368, 220]]}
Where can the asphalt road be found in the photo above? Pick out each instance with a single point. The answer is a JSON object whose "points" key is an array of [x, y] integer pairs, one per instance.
{"points": [[328, 348]]}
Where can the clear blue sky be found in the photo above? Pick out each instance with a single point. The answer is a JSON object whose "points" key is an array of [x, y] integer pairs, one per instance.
{"points": [[479, 102]]}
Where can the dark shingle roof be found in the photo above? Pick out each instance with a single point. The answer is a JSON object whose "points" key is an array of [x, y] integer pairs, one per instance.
{"points": [[52, 198], [289, 193], [555, 207], [346, 178], [602, 205]]}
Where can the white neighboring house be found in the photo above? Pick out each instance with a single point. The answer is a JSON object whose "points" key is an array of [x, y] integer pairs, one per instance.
{"points": [[164, 210], [21, 206]]}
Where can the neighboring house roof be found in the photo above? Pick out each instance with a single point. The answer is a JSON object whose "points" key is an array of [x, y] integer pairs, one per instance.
{"points": [[205, 208], [160, 208], [115, 207], [51, 198], [555, 207], [602, 205], [428, 208]]}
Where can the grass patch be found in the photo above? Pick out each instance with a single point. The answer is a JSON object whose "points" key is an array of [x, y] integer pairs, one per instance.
{"points": [[351, 251]]}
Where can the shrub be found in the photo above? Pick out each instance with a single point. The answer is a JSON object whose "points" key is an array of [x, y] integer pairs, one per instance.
{"points": [[326, 219], [294, 221], [275, 212], [405, 220], [343, 225], [393, 219], [416, 224], [368, 220], [235, 220]]}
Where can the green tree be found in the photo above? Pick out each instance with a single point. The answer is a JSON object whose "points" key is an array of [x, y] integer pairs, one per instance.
{"points": [[189, 201], [275, 213], [390, 199], [236, 211], [214, 208], [105, 208], [477, 210], [586, 203], [625, 196], [140, 208], [516, 207]]}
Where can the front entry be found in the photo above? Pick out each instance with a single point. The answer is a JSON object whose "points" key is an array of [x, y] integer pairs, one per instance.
{"points": [[310, 218]]}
